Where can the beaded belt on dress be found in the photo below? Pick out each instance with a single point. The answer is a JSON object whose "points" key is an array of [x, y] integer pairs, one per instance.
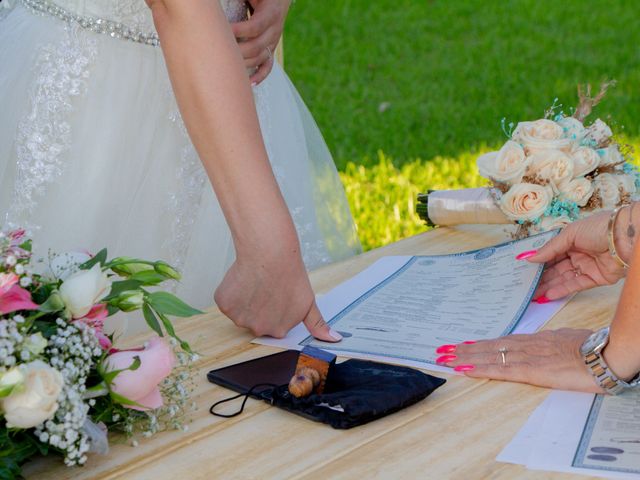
{"points": [[97, 25]]}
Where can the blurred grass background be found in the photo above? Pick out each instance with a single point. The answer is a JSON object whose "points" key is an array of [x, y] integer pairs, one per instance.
{"points": [[408, 92]]}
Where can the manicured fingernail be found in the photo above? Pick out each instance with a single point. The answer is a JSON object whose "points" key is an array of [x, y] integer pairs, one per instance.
{"points": [[446, 358], [542, 300], [335, 335], [469, 342], [527, 254], [446, 349], [464, 368]]}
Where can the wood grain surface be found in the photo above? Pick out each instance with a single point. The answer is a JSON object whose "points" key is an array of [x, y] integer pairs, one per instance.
{"points": [[455, 433]]}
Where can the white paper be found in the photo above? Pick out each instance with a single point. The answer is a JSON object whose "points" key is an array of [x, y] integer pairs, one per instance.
{"points": [[487, 295], [581, 433]]}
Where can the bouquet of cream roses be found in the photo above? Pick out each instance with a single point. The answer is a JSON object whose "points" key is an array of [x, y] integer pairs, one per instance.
{"points": [[549, 173], [63, 383]]}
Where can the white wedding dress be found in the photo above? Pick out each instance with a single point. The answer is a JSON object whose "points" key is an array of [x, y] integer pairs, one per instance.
{"points": [[93, 152]]}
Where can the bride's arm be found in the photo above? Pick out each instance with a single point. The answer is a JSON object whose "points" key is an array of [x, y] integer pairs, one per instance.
{"points": [[267, 289]]}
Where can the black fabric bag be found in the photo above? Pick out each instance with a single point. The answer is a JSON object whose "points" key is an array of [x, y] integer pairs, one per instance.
{"points": [[356, 392]]}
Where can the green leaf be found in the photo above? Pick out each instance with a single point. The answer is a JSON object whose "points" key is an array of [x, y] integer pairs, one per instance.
{"points": [[168, 304], [122, 286], [171, 331], [148, 277], [111, 375], [151, 319], [100, 257], [122, 400]]}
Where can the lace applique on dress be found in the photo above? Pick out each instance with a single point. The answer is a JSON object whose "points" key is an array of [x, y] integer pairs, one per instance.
{"points": [[184, 202], [44, 134], [314, 250]]}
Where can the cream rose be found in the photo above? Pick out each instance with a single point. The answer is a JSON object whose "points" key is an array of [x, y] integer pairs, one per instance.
{"points": [[572, 128], [36, 400], [526, 201], [541, 135], [578, 190], [610, 156], [506, 165], [598, 133], [552, 166], [585, 160], [608, 187], [82, 290], [550, 223]]}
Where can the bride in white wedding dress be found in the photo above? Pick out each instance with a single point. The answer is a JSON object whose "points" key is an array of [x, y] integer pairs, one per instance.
{"points": [[94, 152]]}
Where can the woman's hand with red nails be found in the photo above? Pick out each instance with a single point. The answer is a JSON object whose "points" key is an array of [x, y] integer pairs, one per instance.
{"points": [[578, 257], [549, 359]]}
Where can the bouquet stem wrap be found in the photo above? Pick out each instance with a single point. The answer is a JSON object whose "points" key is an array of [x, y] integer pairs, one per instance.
{"points": [[460, 207]]}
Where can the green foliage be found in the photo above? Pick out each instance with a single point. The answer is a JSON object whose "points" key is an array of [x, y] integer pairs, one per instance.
{"points": [[383, 196], [420, 79], [428, 83]]}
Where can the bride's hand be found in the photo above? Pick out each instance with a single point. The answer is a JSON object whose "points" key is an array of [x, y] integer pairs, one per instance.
{"points": [[578, 258], [270, 295], [259, 35]]}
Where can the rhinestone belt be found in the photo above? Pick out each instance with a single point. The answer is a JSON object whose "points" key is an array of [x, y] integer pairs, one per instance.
{"points": [[97, 25]]}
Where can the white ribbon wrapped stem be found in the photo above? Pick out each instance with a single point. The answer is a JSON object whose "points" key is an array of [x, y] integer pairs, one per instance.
{"points": [[462, 207]]}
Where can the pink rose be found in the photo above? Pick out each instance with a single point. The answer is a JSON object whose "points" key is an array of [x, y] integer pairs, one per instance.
{"points": [[12, 296], [156, 363]]}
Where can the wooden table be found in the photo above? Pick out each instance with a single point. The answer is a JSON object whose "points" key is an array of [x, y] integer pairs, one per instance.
{"points": [[455, 433]]}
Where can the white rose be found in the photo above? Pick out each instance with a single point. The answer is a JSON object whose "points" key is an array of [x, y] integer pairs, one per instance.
{"points": [[608, 187], [610, 156], [627, 183], [82, 290], [585, 160], [550, 223], [598, 133], [572, 128], [578, 190], [541, 135], [36, 400], [506, 165], [551, 165], [526, 201]]}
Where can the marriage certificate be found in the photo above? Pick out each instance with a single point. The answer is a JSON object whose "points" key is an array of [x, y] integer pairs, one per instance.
{"points": [[402, 308]]}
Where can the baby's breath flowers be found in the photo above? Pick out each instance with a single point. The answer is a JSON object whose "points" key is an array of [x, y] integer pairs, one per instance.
{"points": [[61, 387]]}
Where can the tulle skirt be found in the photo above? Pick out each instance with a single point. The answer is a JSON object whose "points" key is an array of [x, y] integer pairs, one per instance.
{"points": [[93, 154]]}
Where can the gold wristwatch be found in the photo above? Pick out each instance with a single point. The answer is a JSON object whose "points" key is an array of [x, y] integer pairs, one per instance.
{"points": [[591, 350]]}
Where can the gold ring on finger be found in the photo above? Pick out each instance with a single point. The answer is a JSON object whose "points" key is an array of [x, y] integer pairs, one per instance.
{"points": [[503, 355]]}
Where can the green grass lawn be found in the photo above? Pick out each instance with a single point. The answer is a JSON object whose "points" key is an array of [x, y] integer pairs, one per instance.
{"points": [[420, 79]]}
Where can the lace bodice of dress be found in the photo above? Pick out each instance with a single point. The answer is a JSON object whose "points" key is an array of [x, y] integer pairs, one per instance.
{"points": [[136, 14]]}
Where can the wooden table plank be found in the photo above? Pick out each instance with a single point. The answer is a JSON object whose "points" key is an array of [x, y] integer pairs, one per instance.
{"points": [[455, 433]]}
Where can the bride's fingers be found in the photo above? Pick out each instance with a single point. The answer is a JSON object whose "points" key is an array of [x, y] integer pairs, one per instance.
{"points": [[318, 327], [258, 60], [262, 72], [569, 286]]}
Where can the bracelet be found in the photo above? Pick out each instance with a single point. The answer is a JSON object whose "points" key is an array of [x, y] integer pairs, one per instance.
{"points": [[611, 236]]}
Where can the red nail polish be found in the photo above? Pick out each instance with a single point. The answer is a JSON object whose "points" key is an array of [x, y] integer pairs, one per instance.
{"points": [[464, 368], [446, 349], [469, 342], [527, 254], [542, 300], [446, 358]]}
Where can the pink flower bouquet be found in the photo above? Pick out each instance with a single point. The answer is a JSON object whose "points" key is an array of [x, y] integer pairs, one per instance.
{"points": [[63, 383]]}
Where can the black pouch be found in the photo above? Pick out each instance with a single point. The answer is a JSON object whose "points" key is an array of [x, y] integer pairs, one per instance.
{"points": [[356, 392]]}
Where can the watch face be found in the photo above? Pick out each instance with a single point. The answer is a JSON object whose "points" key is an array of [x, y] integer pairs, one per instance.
{"points": [[595, 342]]}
